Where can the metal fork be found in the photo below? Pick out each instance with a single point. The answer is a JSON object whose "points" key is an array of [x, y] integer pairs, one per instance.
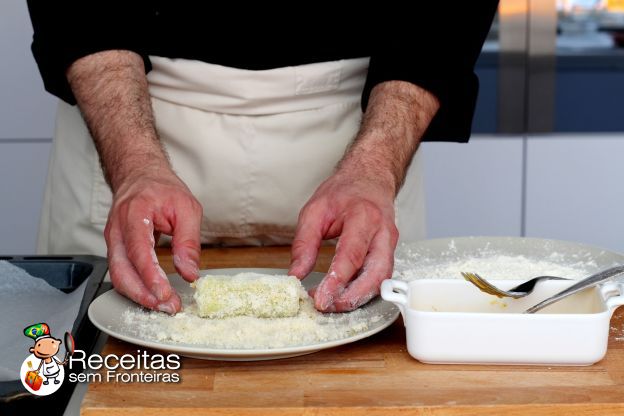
{"points": [[519, 291]]}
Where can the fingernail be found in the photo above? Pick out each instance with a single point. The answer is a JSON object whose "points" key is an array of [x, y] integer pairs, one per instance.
{"points": [[324, 296], [326, 301], [293, 265], [177, 261], [161, 289], [327, 305], [189, 265], [294, 272], [161, 293], [167, 308]]}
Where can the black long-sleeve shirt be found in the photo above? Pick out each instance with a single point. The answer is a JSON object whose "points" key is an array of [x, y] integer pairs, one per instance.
{"points": [[435, 47]]}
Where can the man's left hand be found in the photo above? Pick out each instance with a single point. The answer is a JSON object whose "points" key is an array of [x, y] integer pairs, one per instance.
{"points": [[356, 203], [361, 213]]}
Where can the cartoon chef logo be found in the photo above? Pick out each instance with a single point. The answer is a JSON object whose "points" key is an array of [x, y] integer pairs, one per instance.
{"points": [[42, 373]]}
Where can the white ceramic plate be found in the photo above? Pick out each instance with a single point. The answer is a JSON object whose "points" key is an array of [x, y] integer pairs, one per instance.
{"points": [[106, 314], [447, 250]]}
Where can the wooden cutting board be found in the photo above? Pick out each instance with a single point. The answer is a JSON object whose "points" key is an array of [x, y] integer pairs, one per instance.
{"points": [[371, 377]]}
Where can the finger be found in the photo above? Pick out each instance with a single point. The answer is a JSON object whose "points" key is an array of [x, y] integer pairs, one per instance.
{"points": [[172, 305], [129, 284], [185, 242], [307, 241], [138, 237], [377, 267], [312, 291], [358, 230], [124, 276]]}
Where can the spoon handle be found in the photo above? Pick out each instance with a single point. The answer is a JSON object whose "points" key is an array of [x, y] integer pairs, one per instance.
{"points": [[590, 281]]}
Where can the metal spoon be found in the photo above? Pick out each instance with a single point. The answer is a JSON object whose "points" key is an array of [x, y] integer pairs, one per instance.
{"points": [[590, 281]]}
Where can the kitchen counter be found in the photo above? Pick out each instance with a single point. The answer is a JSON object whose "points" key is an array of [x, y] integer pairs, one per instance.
{"points": [[371, 377]]}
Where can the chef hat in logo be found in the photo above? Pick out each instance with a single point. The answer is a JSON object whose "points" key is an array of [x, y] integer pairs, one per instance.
{"points": [[38, 331]]}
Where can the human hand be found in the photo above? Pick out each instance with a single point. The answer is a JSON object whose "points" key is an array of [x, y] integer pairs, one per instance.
{"points": [[357, 202], [361, 213], [113, 94], [145, 205]]}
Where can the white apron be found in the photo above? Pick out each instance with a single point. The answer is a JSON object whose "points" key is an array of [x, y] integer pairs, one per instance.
{"points": [[252, 146], [51, 369]]}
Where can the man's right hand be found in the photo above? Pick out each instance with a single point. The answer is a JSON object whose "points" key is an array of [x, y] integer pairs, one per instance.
{"points": [[145, 206], [148, 197]]}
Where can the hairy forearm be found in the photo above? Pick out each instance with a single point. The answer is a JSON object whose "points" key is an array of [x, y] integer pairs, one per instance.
{"points": [[112, 93], [397, 116]]}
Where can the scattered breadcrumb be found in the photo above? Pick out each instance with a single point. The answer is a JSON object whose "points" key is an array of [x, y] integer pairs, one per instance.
{"points": [[247, 332]]}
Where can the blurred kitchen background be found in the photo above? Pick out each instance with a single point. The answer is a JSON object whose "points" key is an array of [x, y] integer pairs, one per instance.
{"points": [[546, 158]]}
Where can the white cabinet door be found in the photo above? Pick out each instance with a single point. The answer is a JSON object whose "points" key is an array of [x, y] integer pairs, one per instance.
{"points": [[22, 180], [575, 188], [474, 188]]}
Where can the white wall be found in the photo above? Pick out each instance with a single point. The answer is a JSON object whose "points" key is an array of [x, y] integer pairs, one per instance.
{"points": [[575, 188], [26, 128], [474, 188]]}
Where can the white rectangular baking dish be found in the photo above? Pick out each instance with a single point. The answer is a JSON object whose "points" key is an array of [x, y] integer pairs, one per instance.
{"points": [[451, 322]]}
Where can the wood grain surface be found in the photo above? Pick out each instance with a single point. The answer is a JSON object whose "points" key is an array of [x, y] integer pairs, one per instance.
{"points": [[375, 376]]}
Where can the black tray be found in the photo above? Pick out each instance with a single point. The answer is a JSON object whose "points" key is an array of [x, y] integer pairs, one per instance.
{"points": [[65, 273]]}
